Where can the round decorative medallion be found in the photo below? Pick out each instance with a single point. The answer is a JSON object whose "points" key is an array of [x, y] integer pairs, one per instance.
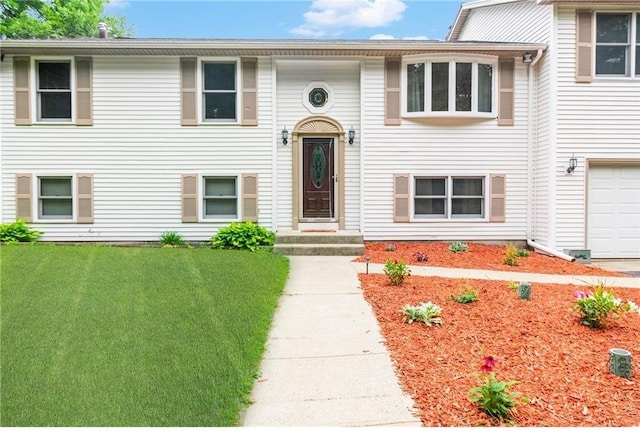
{"points": [[318, 97]]}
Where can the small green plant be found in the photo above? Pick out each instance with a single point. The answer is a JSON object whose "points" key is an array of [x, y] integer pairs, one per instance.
{"points": [[522, 253], [427, 313], [492, 396], [171, 239], [390, 248], [511, 256], [596, 307], [16, 232], [396, 271], [420, 257], [513, 285], [247, 235], [468, 295], [458, 247]]}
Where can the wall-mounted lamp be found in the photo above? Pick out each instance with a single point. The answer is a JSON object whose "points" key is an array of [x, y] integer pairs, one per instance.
{"points": [[573, 163], [352, 135], [285, 136], [527, 58]]}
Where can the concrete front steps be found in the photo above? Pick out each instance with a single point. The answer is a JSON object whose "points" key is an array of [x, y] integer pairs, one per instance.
{"points": [[310, 243]]}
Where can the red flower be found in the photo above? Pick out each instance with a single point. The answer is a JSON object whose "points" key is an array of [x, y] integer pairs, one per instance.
{"points": [[488, 363]]}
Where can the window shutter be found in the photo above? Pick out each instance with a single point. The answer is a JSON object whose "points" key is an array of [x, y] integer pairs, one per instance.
{"points": [[22, 99], [190, 198], [188, 91], [497, 198], [85, 197], [250, 197], [392, 92], [84, 91], [23, 197], [506, 91], [249, 91], [401, 198], [584, 47]]}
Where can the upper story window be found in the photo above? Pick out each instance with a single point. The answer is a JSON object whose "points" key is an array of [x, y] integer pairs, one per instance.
{"points": [[617, 44], [457, 87], [53, 87], [219, 91]]}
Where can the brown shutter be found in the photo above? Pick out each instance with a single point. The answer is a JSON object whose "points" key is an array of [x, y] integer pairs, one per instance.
{"points": [[506, 86], [22, 100], [392, 92], [84, 91], [85, 197], [250, 197], [188, 91], [23, 197], [584, 47], [249, 91], [190, 198], [497, 198], [401, 198]]}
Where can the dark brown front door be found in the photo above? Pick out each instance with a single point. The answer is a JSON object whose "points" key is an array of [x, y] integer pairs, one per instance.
{"points": [[317, 178]]}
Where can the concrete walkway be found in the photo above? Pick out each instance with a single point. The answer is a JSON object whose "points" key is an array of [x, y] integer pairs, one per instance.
{"points": [[326, 363]]}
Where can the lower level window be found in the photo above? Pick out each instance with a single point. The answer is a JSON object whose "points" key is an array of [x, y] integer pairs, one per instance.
{"points": [[220, 197], [55, 199], [449, 197]]}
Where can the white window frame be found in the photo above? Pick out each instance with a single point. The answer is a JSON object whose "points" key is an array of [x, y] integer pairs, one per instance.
{"points": [[452, 60], [631, 45], [448, 197], [38, 198], [201, 91], [203, 198], [35, 96]]}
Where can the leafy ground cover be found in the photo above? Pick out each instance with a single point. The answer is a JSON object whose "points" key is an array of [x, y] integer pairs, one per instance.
{"points": [[107, 336]]}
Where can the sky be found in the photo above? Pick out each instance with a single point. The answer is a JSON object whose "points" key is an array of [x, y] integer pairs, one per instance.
{"points": [[288, 19]]}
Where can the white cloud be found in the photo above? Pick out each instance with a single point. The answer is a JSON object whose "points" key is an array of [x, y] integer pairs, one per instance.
{"points": [[335, 16], [381, 36]]}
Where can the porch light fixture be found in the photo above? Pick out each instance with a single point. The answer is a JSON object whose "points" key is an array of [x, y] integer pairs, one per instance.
{"points": [[352, 135], [527, 58], [573, 163], [285, 136]]}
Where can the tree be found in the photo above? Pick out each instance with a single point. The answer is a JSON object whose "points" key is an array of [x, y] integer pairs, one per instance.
{"points": [[40, 19]]}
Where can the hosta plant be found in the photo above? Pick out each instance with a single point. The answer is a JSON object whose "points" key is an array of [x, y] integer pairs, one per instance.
{"points": [[427, 313], [16, 232], [247, 235], [493, 396], [396, 271]]}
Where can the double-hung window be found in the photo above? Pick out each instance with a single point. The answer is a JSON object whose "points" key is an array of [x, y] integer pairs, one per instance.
{"points": [[219, 91], [220, 197], [436, 87], [617, 44], [55, 198], [53, 83], [449, 197]]}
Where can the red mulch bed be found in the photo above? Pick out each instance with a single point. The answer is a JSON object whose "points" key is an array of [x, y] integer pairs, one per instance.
{"points": [[480, 256], [559, 364]]}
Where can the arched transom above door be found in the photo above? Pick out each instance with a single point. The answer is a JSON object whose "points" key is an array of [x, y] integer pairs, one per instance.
{"points": [[318, 125]]}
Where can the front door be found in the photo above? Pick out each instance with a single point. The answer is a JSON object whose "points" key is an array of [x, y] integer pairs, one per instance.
{"points": [[318, 193]]}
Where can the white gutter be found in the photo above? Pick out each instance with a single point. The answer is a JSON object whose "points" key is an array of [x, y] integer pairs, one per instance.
{"points": [[550, 251]]}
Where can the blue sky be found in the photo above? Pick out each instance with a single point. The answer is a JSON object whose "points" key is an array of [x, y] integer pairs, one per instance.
{"points": [[288, 19]]}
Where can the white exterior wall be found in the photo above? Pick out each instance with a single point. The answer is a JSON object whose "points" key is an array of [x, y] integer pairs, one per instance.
{"points": [[457, 147], [293, 76], [137, 151]]}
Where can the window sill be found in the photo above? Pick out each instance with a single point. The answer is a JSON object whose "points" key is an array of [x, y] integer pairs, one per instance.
{"points": [[56, 221], [450, 115]]}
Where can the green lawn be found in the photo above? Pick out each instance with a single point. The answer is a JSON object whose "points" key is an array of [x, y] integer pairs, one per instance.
{"points": [[113, 336]]}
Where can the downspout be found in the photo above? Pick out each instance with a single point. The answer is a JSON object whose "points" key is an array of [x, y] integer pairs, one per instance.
{"points": [[531, 135], [550, 251]]}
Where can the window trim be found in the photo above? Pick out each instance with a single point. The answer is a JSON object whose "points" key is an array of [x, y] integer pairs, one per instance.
{"points": [[38, 217], [35, 96], [201, 92], [449, 217], [452, 60], [632, 43], [203, 198]]}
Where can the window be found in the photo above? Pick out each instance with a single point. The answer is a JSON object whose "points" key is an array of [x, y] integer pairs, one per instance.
{"points": [[219, 91], [617, 44], [435, 87], [53, 80], [449, 197], [55, 198], [220, 197]]}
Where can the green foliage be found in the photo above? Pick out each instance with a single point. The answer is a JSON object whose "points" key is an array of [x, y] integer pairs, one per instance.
{"points": [[511, 256], [468, 295], [16, 232], [522, 253], [513, 285], [427, 313], [247, 235], [396, 271], [457, 247], [492, 396], [42, 19], [171, 239], [596, 307]]}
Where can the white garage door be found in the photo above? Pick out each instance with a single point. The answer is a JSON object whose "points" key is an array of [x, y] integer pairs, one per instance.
{"points": [[614, 211]]}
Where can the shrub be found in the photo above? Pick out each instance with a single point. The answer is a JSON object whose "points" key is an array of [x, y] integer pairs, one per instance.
{"points": [[511, 256], [16, 232], [171, 239], [396, 271], [492, 396], [420, 257], [428, 313], [246, 235], [594, 308], [468, 295], [458, 247]]}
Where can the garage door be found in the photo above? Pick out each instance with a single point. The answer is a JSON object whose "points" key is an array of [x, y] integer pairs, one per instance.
{"points": [[614, 211]]}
